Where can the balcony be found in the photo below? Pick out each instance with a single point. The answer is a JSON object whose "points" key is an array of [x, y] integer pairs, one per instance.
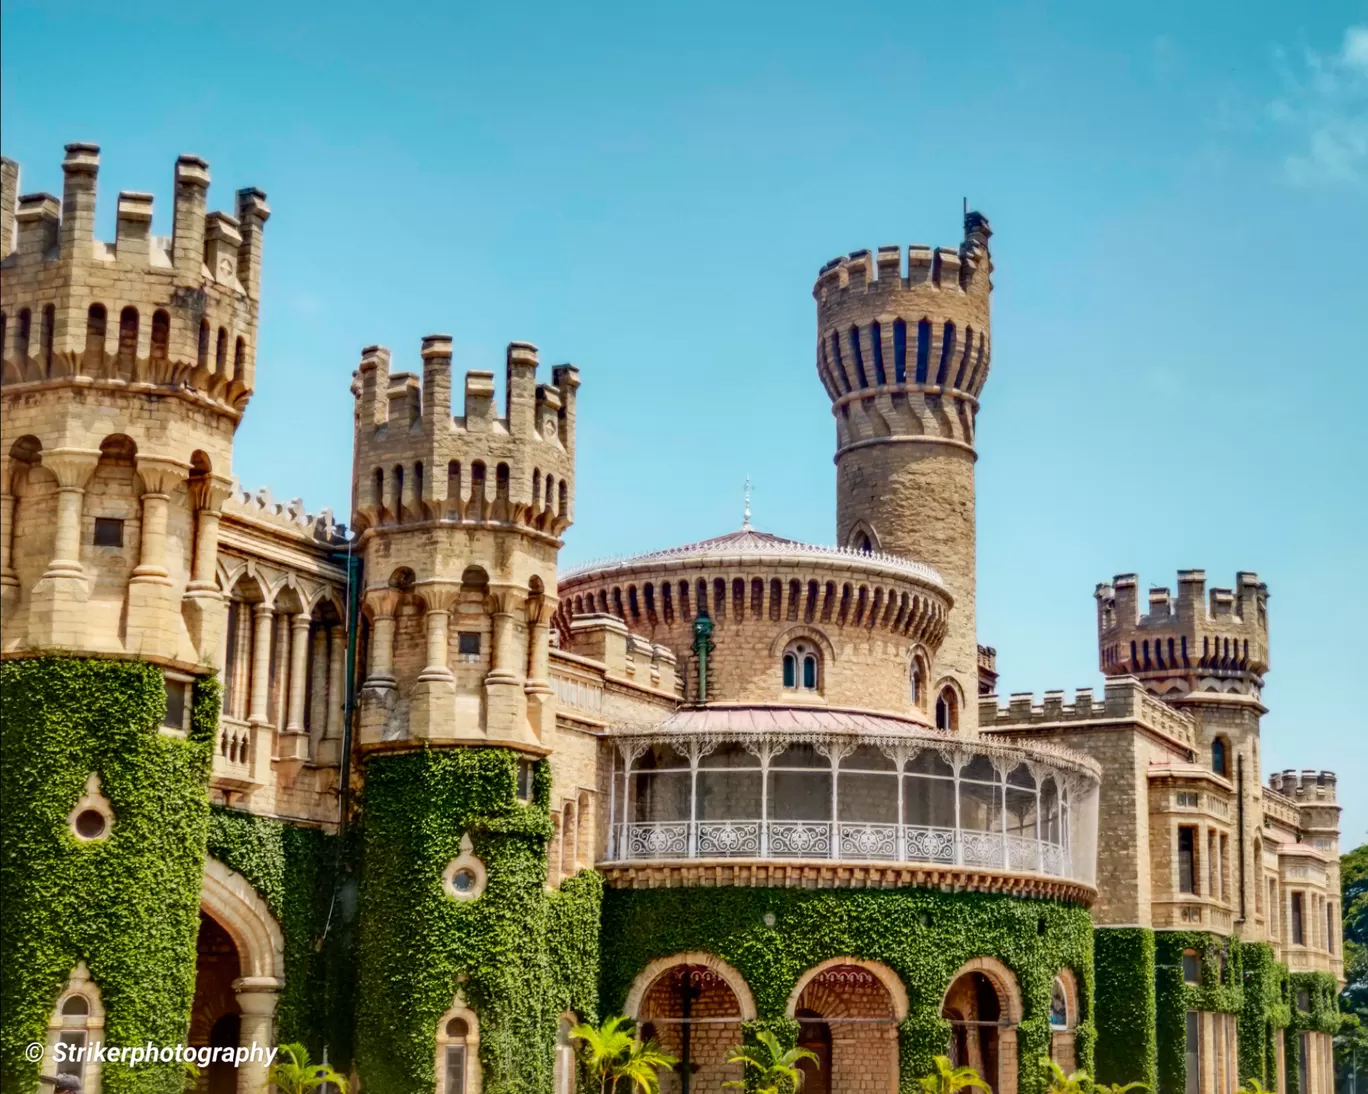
{"points": [[913, 798], [232, 768]]}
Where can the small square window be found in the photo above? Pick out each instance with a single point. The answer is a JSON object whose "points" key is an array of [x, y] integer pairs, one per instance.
{"points": [[109, 532], [468, 643]]}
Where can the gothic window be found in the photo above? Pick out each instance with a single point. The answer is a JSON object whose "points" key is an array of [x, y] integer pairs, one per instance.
{"points": [[1059, 1006], [77, 1022], [1192, 967], [947, 709], [455, 1057], [1220, 762], [802, 667]]}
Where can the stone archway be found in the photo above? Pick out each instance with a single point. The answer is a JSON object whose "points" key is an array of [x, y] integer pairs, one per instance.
{"points": [[693, 1005], [240, 932], [983, 1006], [848, 1011]]}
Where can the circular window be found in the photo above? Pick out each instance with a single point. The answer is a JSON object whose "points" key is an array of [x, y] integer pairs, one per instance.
{"points": [[463, 881], [465, 875], [90, 824]]}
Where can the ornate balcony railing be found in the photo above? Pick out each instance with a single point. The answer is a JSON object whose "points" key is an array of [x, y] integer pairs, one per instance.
{"points": [[841, 840]]}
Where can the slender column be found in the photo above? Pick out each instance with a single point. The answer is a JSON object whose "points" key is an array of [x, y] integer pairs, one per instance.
{"points": [[382, 649], [263, 616], [159, 478], [208, 494], [612, 808], [256, 998], [835, 829], [8, 577], [337, 681], [435, 621], [693, 806], [72, 468], [299, 668]]}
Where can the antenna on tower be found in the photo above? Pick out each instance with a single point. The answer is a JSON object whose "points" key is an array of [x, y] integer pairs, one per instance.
{"points": [[745, 516]]}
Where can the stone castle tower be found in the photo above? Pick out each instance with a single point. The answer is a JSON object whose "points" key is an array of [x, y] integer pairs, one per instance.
{"points": [[903, 359], [127, 366], [460, 522]]}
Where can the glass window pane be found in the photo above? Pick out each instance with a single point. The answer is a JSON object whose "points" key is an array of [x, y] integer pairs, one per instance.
{"points": [[980, 768], [1021, 776], [868, 799], [868, 758], [730, 755], [930, 763], [1021, 812], [801, 755], [660, 796], [1049, 810], [928, 803], [809, 672], [980, 807], [790, 671], [73, 1040], [1194, 1053], [455, 1069], [729, 795], [800, 795]]}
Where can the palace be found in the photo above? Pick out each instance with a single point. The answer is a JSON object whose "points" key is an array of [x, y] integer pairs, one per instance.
{"points": [[412, 795]]}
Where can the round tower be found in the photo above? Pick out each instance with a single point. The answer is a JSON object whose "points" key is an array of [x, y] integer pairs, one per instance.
{"points": [[459, 521], [127, 366], [903, 354]]}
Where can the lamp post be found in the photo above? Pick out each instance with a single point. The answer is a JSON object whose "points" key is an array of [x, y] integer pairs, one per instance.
{"points": [[702, 646]]}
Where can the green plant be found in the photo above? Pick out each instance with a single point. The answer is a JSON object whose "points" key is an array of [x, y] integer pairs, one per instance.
{"points": [[1060, 1083], [775, 1067], [612, 1053], [294, 1073], [1253, 1086], [127, 904], [1117, 1088], [949, 1079]]}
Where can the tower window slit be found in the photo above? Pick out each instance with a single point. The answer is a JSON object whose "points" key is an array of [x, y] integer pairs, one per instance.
{"points": [[858, 355], [923, 349], [899, 351], [49, 326], [947, 353], [876, 340], [221, 351]]}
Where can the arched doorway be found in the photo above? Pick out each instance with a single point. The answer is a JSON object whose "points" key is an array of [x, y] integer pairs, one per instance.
{"points": [[814, 1034], [694, 1009], [848, 1013], [215, 1018], [983, 1007]]}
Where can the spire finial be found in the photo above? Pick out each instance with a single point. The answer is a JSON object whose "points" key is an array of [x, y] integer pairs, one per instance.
{"points": [[745, 516]]}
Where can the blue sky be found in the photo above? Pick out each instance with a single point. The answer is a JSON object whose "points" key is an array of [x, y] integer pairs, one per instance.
{"points": [[1179, 194]]}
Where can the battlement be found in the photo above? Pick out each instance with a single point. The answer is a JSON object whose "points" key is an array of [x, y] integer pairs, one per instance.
{"points": [[1305, 787], [416, 462], [1124, 699], [1198, 641], [177, 311], [261, 507], [912, 324]]}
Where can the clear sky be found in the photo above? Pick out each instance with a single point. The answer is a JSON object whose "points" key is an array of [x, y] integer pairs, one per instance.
{"points": [[1179, 194]]}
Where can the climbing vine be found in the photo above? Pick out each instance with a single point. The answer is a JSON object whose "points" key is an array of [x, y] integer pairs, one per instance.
{"points": [[521, 956], [1127, 1050], [1314, 1008], [128, 904], [923, 935], [301, 874], [1264, 1012], [1219, 988]]}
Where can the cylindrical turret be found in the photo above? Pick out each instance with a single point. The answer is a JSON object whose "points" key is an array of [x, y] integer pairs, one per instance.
{"points": [[903, 355]]}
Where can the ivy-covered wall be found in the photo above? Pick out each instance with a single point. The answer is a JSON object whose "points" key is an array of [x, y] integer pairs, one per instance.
{"points": [[1127, 1046], [924, 936], [520, 954], [1263, 1013], [1321, 1014], [302, 874], [1219, 990], [127, 905]]}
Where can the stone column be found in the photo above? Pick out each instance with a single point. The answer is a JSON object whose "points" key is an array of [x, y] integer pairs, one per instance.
{"points": [[263, 617], [8, 577], [293, 743], [154, 621], [379, 692], [381, 673], [204, 606], [330, 746], [507, 705], [541, 704], [432, 713], [56, 613], [256, 999]]}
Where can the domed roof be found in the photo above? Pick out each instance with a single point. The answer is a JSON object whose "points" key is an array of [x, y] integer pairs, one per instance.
{"points": [[748, 542]]}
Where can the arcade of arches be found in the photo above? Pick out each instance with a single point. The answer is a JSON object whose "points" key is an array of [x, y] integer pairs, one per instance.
{"points": [[848, 1013]]}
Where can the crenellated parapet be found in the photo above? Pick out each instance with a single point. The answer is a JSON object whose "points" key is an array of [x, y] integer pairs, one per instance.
{"points": [[416, 463], [126, 368], [459, 520], [1192, 643], [156, 315], [903, 349]]}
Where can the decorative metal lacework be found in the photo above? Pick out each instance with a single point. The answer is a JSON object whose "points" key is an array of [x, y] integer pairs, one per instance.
{"points": [[869, 841], [800, 839], [658, 840], [723, 838], [929, 844]]}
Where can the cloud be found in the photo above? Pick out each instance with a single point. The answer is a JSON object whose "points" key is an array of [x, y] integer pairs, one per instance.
{"points": [[1325, 106]]}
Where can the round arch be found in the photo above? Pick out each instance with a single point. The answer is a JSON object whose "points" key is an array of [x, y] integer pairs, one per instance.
{"points": [[803, 630], [230, 899], [1002, 978], [886, 976], [661, 965]]}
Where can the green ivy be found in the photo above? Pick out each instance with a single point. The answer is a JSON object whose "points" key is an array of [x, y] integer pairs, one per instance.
{"points": [[520, 954], [1264, 1012], [1174, 997], [923, 935], [127, 905], [1127, 1049], [1322, 1015], [298, 872]]}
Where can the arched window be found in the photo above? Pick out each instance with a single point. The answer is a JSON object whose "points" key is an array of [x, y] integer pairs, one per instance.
{"points": [[802, 667], [947, 709], [1059, 1006], [458, 1067], [1220, 761], [76, 1023]]}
